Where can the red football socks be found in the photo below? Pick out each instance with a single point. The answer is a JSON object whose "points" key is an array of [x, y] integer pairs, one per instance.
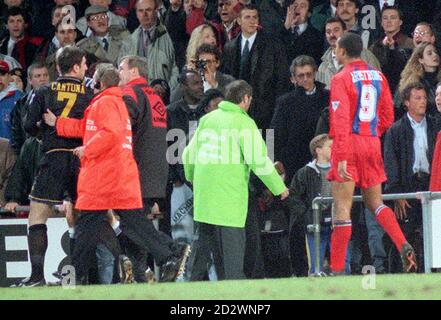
{"points": [[339, 245], [386, 218]]}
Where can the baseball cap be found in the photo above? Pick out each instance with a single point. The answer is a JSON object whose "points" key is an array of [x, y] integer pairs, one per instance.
{"points": [[4, 67]]}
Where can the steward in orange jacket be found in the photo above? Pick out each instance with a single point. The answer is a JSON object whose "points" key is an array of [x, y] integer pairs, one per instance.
{"points": [[109, 177]]}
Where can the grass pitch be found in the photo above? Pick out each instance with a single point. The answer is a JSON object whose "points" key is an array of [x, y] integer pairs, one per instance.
{"points": [[411, 286]]}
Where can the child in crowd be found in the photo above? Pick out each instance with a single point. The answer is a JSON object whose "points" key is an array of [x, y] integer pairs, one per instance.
{"points": [[310, 182]]}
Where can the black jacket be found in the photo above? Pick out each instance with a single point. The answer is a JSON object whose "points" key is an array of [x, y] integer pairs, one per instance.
{"points": [[272, 16], [179, 117], [18, 132], [149, 127], [393, 60], [323, 122], [305, 186], [269, 75], [294, 125], [66, 95], [399, 153], [175, 24], [309, 43], [24, 50], [22, 176]]}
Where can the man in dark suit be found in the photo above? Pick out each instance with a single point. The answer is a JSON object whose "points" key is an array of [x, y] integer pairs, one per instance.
{"points": [[261, 61], [299, 35], [413, 12], [408, 153], [294, 121]]}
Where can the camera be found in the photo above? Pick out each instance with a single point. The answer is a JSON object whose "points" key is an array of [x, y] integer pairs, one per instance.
{"points": [[200, 65]]}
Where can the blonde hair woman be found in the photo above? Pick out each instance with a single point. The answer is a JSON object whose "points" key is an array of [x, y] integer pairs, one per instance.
{"points": [[204, 34], [423, 66]]}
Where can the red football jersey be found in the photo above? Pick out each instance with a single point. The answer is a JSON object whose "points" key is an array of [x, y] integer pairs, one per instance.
{"points": [[361, 103]]}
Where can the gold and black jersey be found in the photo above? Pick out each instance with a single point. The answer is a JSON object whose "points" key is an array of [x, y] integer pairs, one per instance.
{"points": [[67, 98]]}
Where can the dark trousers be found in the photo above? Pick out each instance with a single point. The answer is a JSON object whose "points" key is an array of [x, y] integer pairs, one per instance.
{"points": [[226, 244], [91, 229], [140, 230]]}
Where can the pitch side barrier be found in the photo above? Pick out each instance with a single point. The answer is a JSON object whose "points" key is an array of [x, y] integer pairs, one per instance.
{"points": [[431, 210]]}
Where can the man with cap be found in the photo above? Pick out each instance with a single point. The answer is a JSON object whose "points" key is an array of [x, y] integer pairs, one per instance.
{"points": [[9, 94], [114, 20], [106, 41]]}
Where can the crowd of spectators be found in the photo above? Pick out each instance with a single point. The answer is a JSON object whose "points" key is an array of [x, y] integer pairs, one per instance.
{"points": [[285, 49]]}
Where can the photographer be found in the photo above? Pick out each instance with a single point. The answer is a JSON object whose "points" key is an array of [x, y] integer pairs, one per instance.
{"points": [[207, 64]]}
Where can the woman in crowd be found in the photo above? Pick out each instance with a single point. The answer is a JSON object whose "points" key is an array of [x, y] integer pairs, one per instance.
{"points": [[423, 66], [203, 34]]}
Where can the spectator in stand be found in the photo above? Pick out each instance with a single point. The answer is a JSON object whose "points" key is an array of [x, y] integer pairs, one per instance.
{"points": [[272, 16], [228, 28], [299, 36], [260, 60], [106, 41], [423, 66], [348, 11], [9, 95], [38, 76], [196, 17], [42, 15], [183, 117], [123, 7], [211, 99], [19, 79], [184, 114], [83, 24], [294, 121], [18, 44], [7, 160], [5, 6], [12, 63], [395, 48], [322, 12], [174, 21], [65, 35], [408, 152], [296, 116], [413, 12], [207, 64], [423, 33], [151, 40], [203, 34], [309, 182], [335, 28]]}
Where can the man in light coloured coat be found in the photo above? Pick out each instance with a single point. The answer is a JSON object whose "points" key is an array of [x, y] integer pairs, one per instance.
{"points": [[106, 41], [225, 148], [334, 29], [151, 40], [114, 20]]}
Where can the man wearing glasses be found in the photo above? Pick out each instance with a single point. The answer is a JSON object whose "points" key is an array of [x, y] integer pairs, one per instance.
{"points": [[114, 19], [106, 41]]}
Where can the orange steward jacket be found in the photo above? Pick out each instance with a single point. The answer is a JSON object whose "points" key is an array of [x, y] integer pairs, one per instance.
{"points": [[109, 177]]}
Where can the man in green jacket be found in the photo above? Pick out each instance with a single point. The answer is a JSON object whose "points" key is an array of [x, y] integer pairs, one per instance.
{"points": [[226, 146]]}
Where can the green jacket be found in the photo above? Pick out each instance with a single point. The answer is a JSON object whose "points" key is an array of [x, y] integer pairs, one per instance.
{"points": [[226, 146]]}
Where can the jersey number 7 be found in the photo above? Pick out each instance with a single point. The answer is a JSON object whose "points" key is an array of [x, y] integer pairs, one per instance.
{"points": [[71, 98]]}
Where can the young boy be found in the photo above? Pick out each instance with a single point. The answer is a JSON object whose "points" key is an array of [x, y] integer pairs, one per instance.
{"points": [[308, 183]]}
